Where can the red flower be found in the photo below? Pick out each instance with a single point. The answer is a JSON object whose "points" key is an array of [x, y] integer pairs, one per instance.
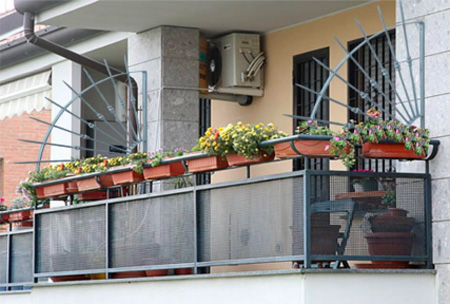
{"points": [[79, 170]]}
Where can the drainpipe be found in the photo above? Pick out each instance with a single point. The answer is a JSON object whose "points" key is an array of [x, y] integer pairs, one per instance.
{"points": [[28, 28]]}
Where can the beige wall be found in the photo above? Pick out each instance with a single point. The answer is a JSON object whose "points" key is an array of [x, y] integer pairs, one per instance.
{"points": [[280, 48]]}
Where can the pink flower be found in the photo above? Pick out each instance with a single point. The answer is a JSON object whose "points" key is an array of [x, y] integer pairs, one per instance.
{"points": [[370, 131], [2, 199], [378, 127], [327, 147], [310, 122], [417, 134], [355, 131], [389, 127], [397, 131], [336, 138], [407, 139], [417, 144]]}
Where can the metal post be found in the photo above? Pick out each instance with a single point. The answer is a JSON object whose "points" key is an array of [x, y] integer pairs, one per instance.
{"points": [[422, 73], [8, 259], [107, 238], [144, 110], [428, 222], [306, 216], [196, 229]]}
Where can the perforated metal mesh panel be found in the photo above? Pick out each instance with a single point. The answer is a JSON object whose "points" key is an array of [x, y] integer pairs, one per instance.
{"points": [[257, 220], [3, 265], [407, 194], [153, 231], [21, 258], [71, 240]]}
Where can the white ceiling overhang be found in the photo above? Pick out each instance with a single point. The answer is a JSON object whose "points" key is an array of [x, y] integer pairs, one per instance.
{"points": [[211, 17]]}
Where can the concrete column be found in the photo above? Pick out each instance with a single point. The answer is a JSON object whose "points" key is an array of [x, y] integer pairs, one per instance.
{"points": [[436, 17], [170, 57], [70, 73]]}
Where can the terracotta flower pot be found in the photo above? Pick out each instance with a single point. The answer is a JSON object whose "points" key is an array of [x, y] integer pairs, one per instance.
{"points": [[128, 274], [305, 147], [183, 271], [46, 191], [389, 150], [240, 160], [390, 244], [91, 183], [208, 163], [126, 177], [156, 272], [394, 221], [163, 171]]}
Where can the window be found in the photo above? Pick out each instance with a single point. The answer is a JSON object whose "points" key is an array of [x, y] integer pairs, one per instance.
{"points": [[366, 59], [310, 74]]}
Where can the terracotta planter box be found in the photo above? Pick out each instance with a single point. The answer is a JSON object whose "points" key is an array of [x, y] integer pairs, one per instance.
{"points": [[208, 163], [390, 244], [128, 274], [126, 177], [164, 171], [156, 272], [21, 216], [183, 271], [304, 146], [391, 150], [4, 219], [239, 160], [52, 190], [91, 183], [69, 278], [92, 196]]}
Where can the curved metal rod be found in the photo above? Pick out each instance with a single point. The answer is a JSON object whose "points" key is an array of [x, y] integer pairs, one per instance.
{"points": [[64, 109], [344, 60]]}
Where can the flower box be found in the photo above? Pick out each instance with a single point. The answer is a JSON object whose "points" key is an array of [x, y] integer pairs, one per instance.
{"points": [[4, 219], [58, 189], [92, 196], [129, 274], [208, 163], [240, 160], [388, 150], [163, 171], [128, 176], [21, 216], [91, 183], [304, 146]]}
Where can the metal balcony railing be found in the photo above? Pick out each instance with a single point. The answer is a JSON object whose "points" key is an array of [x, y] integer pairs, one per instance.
{"points": [[306, 218]]}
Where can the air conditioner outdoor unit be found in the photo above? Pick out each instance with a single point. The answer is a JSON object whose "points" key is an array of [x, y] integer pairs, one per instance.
{"points": [[236, 65]]}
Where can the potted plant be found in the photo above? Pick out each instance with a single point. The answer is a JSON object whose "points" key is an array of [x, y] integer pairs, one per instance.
{"points": [[52, 172], [217, 146], [312, 147], [22, 218], [90, 165], [364, 184], [407, 142], [391, 233], [128, 170], [245, 143], [153, 169]]}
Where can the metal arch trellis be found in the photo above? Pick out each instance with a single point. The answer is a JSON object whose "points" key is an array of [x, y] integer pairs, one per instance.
{"points": [[133, 136], [407, 114]]}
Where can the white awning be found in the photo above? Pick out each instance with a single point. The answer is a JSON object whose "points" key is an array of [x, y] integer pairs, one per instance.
{"points": [[25, 95]]}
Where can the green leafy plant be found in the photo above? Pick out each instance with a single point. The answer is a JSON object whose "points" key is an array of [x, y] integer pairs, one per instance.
{"points": [[389, 199], [312, 128]]}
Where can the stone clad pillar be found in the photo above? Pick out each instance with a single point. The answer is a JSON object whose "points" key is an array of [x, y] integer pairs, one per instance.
{"points": [[170, 57], [436, 17]]}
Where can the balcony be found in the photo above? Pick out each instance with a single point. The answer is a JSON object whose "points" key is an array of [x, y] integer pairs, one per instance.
{"points": [[305, 219]]}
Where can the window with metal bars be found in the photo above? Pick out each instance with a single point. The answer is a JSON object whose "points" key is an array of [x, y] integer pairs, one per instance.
{"points": [[366, 59], [203, 124], [310, 74]]}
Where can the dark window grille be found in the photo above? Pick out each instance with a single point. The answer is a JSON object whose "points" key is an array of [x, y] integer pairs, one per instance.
{"points": [[367, 61], [203, 124], [310, 74]]}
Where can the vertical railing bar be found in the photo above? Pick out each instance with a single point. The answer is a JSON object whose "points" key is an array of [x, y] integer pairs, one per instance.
{"points": [[107, 240], [422, 73], [144, 111], [8, 257], [306, 217], [408, 59], [34, 247], [428, 222], [196, 230], [110, 108]]}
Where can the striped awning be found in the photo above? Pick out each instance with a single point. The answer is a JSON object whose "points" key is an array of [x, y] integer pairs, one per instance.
{"points": [[25, 95]]}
